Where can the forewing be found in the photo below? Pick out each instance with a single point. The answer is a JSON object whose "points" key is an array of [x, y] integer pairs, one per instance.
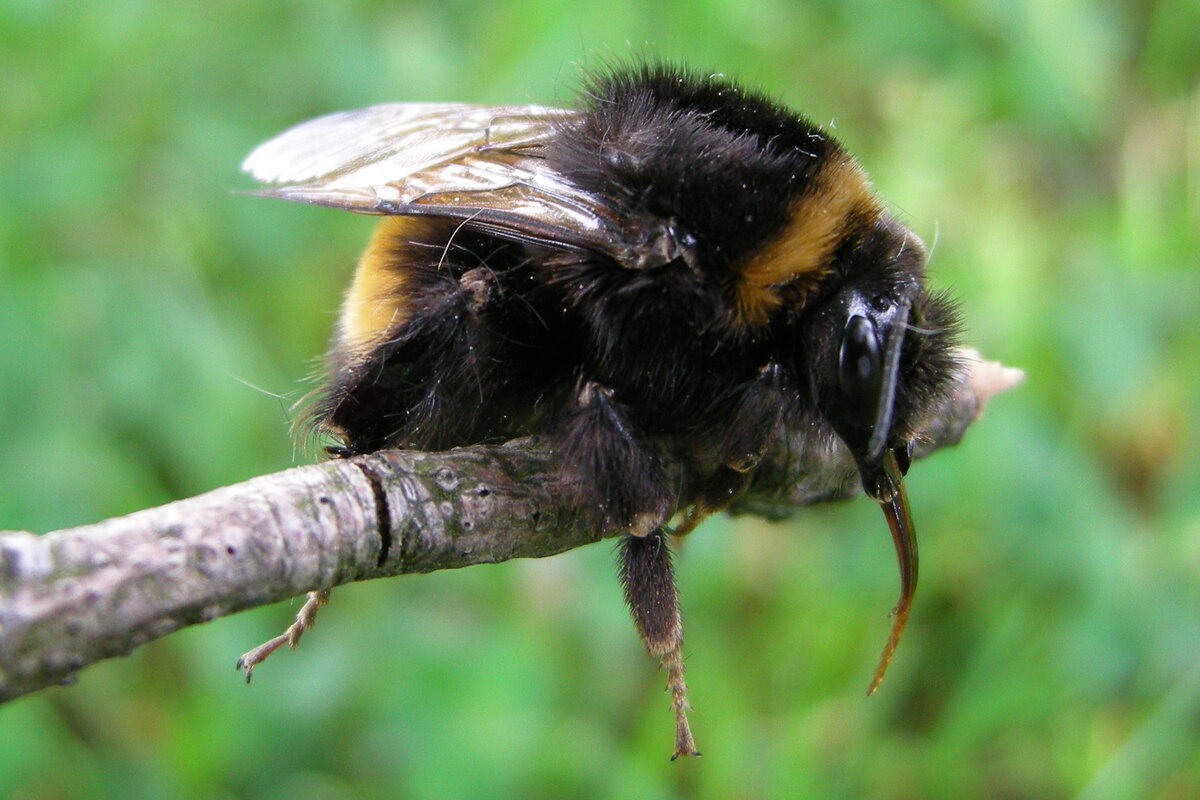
{"points": [[481, 164]]}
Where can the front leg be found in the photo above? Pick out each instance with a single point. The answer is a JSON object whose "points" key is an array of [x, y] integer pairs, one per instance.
{"points": [[751, 421]]}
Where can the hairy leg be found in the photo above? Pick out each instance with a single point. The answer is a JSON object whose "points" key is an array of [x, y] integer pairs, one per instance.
{"points": [[616, 469], [305, 619], [649, 583], [743, 441]]}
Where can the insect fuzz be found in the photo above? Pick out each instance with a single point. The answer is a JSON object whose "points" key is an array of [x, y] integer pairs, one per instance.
{"points": [[660, 284]]}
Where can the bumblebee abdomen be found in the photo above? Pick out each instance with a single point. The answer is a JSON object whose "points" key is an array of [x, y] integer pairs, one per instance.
{"points": [[377, 301], [438, 345]]}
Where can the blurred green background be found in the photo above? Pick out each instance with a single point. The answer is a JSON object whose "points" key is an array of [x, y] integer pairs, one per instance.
{"points": [[155, 328]]}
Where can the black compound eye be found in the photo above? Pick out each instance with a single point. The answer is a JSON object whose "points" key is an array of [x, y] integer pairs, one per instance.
{"points": [[860, 370]]}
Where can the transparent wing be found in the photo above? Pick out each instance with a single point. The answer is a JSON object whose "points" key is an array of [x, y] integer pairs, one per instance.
{"points": [[387, 143], [484, 165]]}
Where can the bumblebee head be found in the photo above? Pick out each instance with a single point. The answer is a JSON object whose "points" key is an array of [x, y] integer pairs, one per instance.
{"points": [[880, 357], [880, 349]]}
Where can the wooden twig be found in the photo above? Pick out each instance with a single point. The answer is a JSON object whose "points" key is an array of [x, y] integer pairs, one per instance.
{"points": [[73, 597]]}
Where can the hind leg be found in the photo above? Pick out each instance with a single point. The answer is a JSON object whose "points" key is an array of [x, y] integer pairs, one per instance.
{"points": [[305, 619]]}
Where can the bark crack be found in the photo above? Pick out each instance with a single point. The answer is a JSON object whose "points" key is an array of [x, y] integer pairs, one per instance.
{"points": [[383, 514]]}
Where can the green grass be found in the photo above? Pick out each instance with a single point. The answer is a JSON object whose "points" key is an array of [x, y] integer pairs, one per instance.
{"points": [[155, 328]]}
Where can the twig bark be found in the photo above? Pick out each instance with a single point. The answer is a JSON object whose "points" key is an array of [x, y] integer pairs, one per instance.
{"points": [[79, 595]]}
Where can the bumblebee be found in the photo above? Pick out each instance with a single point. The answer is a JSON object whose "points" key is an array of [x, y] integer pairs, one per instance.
{"points": [[657, 283]]}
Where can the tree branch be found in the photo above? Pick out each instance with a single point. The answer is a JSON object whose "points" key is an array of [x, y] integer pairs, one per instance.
{"points": [[79, 595]]}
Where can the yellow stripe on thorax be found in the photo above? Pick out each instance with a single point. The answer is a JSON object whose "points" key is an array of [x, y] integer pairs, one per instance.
{"points": [[802, 252]]}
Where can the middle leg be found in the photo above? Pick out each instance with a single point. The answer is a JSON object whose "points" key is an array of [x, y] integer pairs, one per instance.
{"points": [[648, 580], [617, 469]]}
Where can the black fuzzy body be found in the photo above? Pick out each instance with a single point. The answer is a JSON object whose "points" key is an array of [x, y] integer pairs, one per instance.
{"points": [[626, 367], [620, 385]]}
